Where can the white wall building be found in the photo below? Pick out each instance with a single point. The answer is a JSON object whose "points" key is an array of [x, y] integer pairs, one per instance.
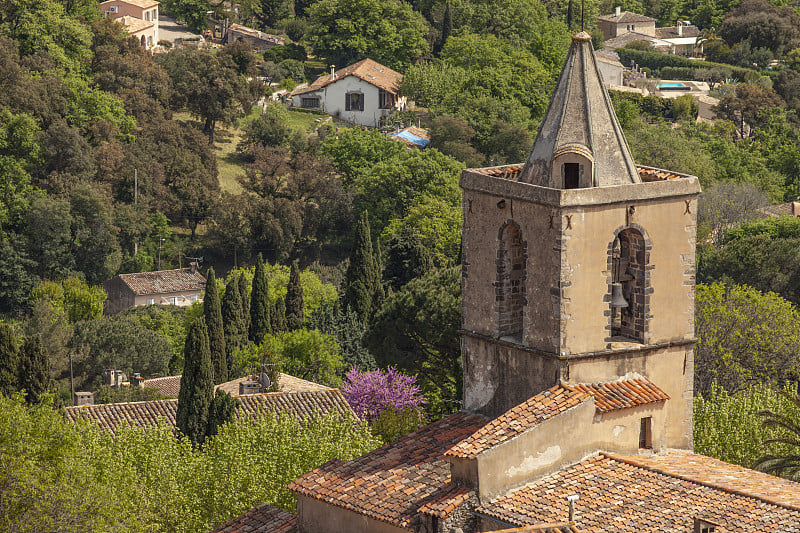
{"points": [[363, 93]]}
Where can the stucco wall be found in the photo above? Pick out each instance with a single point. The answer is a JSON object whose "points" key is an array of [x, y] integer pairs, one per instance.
{"points": [[124, 8], [314, 516], [119, 296], [332, 101], [611, 73], [183, 298]]}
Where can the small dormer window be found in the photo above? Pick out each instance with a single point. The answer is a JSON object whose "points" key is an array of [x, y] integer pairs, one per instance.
{"points": [[572, 167], [704, 525], [572, 175]]}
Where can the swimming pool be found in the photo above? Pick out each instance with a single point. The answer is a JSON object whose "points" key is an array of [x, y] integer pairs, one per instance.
{"points": [[673, 86]]}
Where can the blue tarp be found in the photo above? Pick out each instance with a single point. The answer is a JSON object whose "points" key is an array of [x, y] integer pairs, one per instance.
{"points": [[410, 137]]}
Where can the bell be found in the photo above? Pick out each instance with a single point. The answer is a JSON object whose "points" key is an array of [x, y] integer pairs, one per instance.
{"points": [[618, 301]]}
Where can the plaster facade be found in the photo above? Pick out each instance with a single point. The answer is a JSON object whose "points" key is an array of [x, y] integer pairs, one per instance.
{"points": [[314, 516], [143, 10]]}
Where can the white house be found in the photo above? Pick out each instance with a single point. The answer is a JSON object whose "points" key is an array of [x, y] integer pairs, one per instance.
{"points": [[363, 93]]}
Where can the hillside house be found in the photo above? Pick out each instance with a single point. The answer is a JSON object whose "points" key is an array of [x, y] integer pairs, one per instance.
{"points": [[182, 287], [364, 93], [258, 40], [578, 338], [140, 18], [623, 27]]}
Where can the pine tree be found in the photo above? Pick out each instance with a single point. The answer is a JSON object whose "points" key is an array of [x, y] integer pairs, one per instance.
{"points": [[245, 294], [362, 280], [279, 316], [233, 321], [212, 313], [197, 384], [9, 360], [406, 258], [259, 304], [34, 370], [294, 300]]}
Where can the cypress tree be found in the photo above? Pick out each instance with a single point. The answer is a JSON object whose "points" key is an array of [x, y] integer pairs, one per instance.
{"points": [[9, 360], [259, 304], [212, 313], [406, 258], [245, 294], [197, 384], [447, 28], [222, 411], [294, 300], [34, 370], [233, 320], [362, 279], [570, 15], [279, 316]]}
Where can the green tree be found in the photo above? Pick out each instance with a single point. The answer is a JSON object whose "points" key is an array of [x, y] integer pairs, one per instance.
{"points": [[745, 107], [744, 338], [197, 385], [212, 313], [94, 246], [406, 258], [390, 31], [307, 354], [222, 410], [72, 297], [270, 128], [417, 329], [362, 279], [233, 320], [9, 360], [295, 316], [348, 331], [34, 370], [279, 315], [438, 226], [259, 304], [16, 279], [244, 292], [785, 430]]}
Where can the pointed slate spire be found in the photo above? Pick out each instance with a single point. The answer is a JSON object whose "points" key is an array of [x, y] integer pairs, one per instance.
{"points": [[580, 142]]}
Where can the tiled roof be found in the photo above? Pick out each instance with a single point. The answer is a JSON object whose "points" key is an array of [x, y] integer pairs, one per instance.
{"points": [[607, 57], [392, 483], [671, 32], [257, 34], [621, 40], [263, 519], [170, 386], [134, 25], [299, 404], [367, 70], [517, 420], [621, 394], [144, 4], [511, 172], [626, 16], [541, 528], [164, 281], [617, 495]]}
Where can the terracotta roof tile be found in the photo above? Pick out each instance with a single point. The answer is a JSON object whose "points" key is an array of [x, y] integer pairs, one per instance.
{"points": [[542, 528], [392, 483], [671, 32], [164, 281], [367, 70], [144, 4], [517, 420], [138, 414], [621, 394], [617, 495], [263, 519], [626, 16], [170, 386], [134, 25]]}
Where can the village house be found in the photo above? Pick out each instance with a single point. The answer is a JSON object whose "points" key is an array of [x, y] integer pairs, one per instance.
{"points": [[364, 93], [623, 27], [578, 287], [258, 40], [140, 18], [181, 286]]}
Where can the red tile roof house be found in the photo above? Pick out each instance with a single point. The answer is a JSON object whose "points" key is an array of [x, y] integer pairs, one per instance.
{"points": [[182, 287], [140, 18], [363, 93], [578, 360]]}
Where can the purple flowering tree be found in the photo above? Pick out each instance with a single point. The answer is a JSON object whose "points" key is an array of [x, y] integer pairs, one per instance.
{"points": [[370, 393]]}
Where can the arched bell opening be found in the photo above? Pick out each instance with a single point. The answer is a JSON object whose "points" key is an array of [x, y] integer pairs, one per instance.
{"points": [[510, 299], [629, 287]]}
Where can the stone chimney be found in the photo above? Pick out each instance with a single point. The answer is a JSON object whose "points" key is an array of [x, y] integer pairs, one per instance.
{"points": [[83, 398], [680, 29], [796, 209], [333, 72], [193, 267], [617, 11]]}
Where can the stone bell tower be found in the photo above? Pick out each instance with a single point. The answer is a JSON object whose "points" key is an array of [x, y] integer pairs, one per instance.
{"points": [[578, 266]]}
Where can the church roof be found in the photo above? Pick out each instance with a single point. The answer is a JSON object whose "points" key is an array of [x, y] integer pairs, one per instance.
{"points": [[656, 493], [581, 119]]}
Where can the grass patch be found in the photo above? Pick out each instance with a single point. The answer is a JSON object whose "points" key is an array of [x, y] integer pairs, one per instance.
{"points": [[305, 121]]}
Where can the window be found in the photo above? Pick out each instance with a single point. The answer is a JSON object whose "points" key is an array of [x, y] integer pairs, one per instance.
{"points": [[510, 286], [309, 102], [646, 432], [354, 102], [149, 40], [630, 273], [150, 301], [703, 525], [113, 9], [385, 99], [147, 16], [173, 300], [193, 298], [572, 173]]}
